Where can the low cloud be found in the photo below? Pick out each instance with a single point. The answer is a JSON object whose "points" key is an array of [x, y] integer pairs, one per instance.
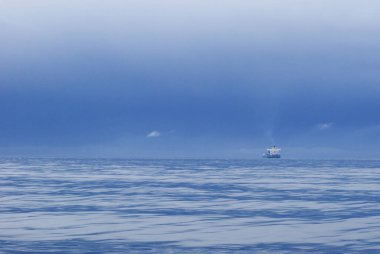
{"points": [[153, 134], [324, 126]]}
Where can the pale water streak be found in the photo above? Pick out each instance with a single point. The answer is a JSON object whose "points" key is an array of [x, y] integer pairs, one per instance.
{"points": [[189, 206]]}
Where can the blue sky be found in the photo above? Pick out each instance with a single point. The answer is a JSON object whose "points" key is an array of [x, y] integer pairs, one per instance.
{"points": [[161, 78]]}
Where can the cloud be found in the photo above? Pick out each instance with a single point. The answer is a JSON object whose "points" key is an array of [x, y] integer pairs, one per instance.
{"points": [[153, 134], [324, 126]]}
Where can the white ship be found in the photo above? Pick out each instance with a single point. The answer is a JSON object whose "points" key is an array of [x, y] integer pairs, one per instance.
{"points": [[273, 152]]}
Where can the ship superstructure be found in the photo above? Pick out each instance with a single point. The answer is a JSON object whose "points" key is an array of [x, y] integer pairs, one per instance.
{"points": [[272, 152]]}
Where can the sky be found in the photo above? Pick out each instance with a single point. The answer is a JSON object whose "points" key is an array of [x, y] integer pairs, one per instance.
{"points": [[190, 79]]}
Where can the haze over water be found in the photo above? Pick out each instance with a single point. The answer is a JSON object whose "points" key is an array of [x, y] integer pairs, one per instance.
{"points": [[189, 206]]}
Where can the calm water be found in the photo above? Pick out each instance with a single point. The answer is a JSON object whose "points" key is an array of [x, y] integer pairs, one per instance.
{"points": [[189, 206]]}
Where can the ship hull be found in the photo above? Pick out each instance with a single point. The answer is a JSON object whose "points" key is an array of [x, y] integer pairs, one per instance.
{"points": [[272, 156]]}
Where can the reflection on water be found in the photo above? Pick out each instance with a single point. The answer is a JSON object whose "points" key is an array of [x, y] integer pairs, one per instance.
{"points": [[189, 206]]}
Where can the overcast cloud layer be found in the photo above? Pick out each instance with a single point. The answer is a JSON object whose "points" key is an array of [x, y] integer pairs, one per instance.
{"points": [[190, 78]]}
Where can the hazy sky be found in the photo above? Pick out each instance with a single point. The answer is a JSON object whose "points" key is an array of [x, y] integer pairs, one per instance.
{"points": [[190, 78]]}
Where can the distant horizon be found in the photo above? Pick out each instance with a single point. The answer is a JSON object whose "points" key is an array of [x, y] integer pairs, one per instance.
{"points": [[258, 156]]}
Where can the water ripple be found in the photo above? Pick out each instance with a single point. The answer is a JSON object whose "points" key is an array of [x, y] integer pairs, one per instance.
{"points": [[189, 206]]}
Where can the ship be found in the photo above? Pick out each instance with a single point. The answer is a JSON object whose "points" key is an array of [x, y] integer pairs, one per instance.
{"points": [[273, 152]]}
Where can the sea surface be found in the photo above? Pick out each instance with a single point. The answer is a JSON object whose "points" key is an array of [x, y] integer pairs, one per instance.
{"points": [[189, 206]]}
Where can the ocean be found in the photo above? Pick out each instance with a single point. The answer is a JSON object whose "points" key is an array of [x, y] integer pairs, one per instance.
{"points": [[189, 206]]}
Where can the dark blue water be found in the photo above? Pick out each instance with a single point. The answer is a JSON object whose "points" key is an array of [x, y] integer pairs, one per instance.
{"points": [[189, 206]]}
